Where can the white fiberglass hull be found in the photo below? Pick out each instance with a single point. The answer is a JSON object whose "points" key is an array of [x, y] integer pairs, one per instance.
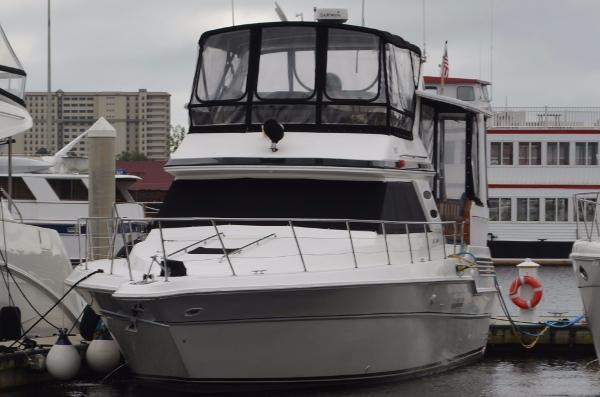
{"points": [[37, 267], [300, 336], [586, 265]]}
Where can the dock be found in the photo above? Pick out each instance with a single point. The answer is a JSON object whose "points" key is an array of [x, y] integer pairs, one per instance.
{"points": [[26, 366], [574, 339]]}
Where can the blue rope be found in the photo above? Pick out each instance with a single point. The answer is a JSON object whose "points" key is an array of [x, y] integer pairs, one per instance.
{"points": [[468, 253], [563, 323]]}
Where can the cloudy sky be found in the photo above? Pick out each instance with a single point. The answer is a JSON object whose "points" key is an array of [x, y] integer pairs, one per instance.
{"points": [[545, 51]]}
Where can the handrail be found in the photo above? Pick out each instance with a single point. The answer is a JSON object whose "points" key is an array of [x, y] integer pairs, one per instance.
{"points": [[545, 117], [190, 245], [11, 203], [423, 250], [586, 214], [238, 250]]}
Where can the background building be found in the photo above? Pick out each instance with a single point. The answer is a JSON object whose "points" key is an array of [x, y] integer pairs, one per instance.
{"points": [[142, 120]]}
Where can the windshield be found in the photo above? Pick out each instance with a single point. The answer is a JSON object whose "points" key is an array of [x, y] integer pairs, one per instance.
{"points": [[12, 76], [224, 66], [352, 65], [287, 63]]}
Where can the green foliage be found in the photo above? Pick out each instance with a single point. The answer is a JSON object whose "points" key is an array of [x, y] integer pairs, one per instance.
{"points": [[176, 135], [131, 156]]}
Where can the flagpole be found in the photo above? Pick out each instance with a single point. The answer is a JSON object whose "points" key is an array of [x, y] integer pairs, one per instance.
{"points": [[444, 68]]}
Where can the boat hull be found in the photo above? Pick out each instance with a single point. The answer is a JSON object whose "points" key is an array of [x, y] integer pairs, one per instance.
{"points": [[586, 265], [304, 336]]}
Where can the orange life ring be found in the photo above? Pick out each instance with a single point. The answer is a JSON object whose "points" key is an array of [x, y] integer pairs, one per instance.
{"points": [[533, 283]]}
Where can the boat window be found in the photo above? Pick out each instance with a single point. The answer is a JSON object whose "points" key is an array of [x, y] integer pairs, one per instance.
{"points": [[287, 63], [465, 93], [352, 65], [20, 190], [401, 85], [474, 155], [454, 158], [69, 189], [12, 76], [501, 153], [426, 128], [556, 210], [557, 153], [530, 153], [500, 209], [296, 198], [218, 115], [528, 209], [354, 114], [224, 66], [586, 153]]}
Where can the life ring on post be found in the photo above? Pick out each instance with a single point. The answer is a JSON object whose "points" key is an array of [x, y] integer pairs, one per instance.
{"points": [[533, 283]]}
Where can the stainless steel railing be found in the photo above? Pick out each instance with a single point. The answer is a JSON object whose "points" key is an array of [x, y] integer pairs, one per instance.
{"points": [[446, 234], [586, 215], [545, 117]]}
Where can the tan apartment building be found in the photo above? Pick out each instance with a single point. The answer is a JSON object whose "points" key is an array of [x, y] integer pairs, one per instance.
{"points": [[142, 120]]}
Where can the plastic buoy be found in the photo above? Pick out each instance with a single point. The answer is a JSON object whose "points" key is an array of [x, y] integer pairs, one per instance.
{"points": [[103, 353], [63, 360]]}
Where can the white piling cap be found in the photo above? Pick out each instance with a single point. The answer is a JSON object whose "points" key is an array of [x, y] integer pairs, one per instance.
{"points": [[528, 263], [102, 129]]}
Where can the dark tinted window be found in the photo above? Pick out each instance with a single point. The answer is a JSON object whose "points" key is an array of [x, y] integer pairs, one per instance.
{"points": [[295, 198], [69, 189], [465, 93], [20, 191]]}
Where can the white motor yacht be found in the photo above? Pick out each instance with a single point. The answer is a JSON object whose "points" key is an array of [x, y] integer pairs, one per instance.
{"points": [[585, 257], [52, 192], [33, 261], [319, 228]]}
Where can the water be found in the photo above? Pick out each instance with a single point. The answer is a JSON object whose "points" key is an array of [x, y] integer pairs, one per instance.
{"points": [[560, 291], [495, 376], [528, 373]]}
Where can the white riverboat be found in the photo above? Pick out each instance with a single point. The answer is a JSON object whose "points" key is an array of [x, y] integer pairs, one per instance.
{"points": [[348, 248], [537, 159]]}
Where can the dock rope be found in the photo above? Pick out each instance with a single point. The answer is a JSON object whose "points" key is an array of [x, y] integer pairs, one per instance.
{"points": [[56, 304], [549, 324], [520, 332]]}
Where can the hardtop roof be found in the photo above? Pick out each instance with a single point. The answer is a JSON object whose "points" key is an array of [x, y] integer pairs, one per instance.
{"points": [[386, 36]]}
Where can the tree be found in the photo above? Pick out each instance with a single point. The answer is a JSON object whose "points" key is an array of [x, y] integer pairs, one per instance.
{"points": [[42, 151], [176, 135], [131, 156]]}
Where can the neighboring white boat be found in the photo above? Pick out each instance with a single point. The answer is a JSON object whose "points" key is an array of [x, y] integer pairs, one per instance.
{"points": [[585, 256], [320, 256], [33, 261], [52, 192]]}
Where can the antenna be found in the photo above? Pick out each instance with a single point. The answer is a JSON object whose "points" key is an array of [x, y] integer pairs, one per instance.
{"points": [[424, 58], [232, 13], [280, 13], [362, 18], [491, 50]]}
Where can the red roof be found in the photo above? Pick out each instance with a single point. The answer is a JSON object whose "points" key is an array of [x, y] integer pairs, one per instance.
{"points": [[152, 173], [453, 80]]}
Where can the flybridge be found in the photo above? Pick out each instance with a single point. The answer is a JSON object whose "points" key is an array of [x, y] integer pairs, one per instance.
{"points": [[309, 76]]}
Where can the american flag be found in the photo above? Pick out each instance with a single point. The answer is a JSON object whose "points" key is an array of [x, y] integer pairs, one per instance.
{"points": [[445, 65]]}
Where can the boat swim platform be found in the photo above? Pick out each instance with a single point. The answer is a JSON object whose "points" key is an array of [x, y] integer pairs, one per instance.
{"points": [[22, 367], [575, 339]]}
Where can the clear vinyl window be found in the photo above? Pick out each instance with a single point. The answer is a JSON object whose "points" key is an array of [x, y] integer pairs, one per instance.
{"points": [[224, 66], [352, 65]]}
